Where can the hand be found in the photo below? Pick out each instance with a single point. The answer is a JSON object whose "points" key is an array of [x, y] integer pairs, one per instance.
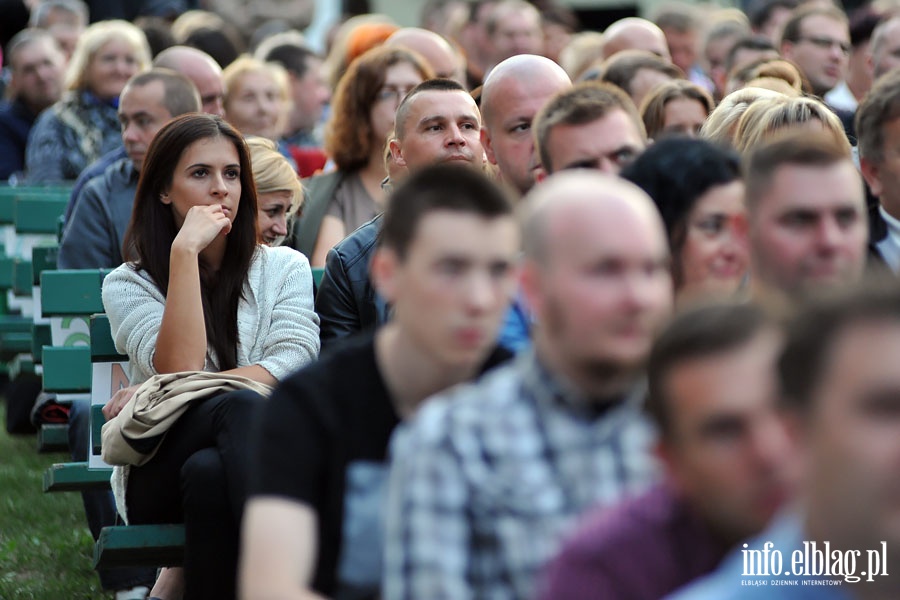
{"points": [[118, 401], [202, 224]]}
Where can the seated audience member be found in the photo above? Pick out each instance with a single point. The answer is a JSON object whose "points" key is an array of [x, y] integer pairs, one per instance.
{"points": [[713, 397], [746, 51], [698, 190], [437, 121], [278, 191], [591, 126], [683, 25], [677, 107], [719, 127], [362, 117], [513, 28], [766, 120], [817, 40], [36, 71], [806, 211], [582, 51], [878, 128], [560, 24], [193, 232], [64, 19], [839, 387], [93, 235], [767, 18], [257, 98], [637, 72], [726, 28], [487, 479], [445, 61], [83, 125], [633, 33], [314, 522], [309, 92], [511, 96]]}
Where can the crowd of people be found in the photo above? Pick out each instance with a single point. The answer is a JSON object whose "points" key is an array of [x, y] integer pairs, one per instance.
{"points": [[603, 314]]}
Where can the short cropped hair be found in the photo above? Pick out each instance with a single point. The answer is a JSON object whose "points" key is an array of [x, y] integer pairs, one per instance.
{"points": [[816, 328], [429, 85], [758, 43], [791, 30], [439, 188], [701, 332], [797, 148], [880, 106], [293, 57], [180, 95], [621, 68], [584, 103]]}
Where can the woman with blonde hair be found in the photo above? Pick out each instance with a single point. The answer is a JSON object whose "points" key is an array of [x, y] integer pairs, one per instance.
{"points": [[84, 124], [278, 191], [362, 115], [257, 97], [676, 107], [722, 121], [763, 121]]}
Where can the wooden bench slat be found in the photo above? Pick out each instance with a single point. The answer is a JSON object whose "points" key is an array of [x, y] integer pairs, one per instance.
{"points": [[75, 477], [140, 545]]}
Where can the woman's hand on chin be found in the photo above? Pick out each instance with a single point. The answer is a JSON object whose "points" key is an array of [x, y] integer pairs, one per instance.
{"points": [[202, 225]]}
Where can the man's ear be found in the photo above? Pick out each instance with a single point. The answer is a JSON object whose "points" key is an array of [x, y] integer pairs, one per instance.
{"points": [[870, 173], [486, 144], [397, 152], [384, 273]]}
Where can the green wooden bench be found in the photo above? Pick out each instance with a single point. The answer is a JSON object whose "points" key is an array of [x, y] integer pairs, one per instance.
{"points": [[75, 477], [139, 545]]}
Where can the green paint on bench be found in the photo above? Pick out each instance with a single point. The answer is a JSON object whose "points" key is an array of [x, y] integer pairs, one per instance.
{"points": [[43, 258], [317, 274], [71, 292], [139, 545], [53, 438], [39, 214], [67, 369], [75, 477], [20, 364], [103, 349], [97, 421], [22, 277], [40, 337], [7, 268]]}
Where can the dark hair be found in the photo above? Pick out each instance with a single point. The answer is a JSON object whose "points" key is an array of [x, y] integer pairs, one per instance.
{"points": [[429, 85], [815, 328], [621, 68], [760, 14], [148, 240], [880, 106], [653, 108], [758, 43], [180, 95], [439, 187], [292, 57], [697, 333], [791, 30], [675, 172], [214, 42]]}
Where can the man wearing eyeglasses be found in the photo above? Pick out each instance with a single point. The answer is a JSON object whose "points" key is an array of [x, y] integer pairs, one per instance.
{"points": [[817, 40]]}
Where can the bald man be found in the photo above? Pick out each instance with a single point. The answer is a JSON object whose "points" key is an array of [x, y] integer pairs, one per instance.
{"points": [[634, 33], [202, 70], [513, 93], [445, 60], [488, 479]]}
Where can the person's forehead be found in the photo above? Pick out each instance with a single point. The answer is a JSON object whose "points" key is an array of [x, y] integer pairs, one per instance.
{"points": [[611, 221], [606, 132], [152, 92], [816, 24], [815, 188], [445, 232], [33, 51], [448, 104]]}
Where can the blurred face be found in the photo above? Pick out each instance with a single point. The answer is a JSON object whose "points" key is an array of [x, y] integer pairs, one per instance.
{"points": [[884, 177], [517, 32], [441, 126], [311, 94], [208, 173], [643, 83], [683, 116], [773, 26], [809, 228], [256, 106], [507, 136], [273, 214], [887, 57], [714, 256], [683, 46], [399, 79], [728, 452], [605, 287], [821, 51], [208, 79], [37, 73], [451, 291], [607, 144], [716, 55], [110, 69], [851, 440], [142, 114]]}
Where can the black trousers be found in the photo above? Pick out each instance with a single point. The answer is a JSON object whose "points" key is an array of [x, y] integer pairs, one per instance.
{"points": [[199, 477]]}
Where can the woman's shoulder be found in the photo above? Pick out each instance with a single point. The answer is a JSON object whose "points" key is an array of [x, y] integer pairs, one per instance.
{"points": [[128, 274], [279, 259]]}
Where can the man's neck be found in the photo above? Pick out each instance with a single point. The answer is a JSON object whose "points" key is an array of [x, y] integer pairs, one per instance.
{"points": [[595, 383], [411, 374]]}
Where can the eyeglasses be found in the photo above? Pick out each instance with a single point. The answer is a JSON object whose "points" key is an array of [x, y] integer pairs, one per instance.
{"points": [[391, 93], [826, 43]]}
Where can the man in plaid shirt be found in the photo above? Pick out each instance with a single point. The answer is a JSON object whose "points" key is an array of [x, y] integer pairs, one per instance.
{"points": [[489, 477]]}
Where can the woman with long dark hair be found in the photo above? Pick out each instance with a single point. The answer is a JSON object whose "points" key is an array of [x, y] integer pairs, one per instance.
{"points": [[199, 293]]}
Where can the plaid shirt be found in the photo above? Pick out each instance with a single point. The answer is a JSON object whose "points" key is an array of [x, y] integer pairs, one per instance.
{"points": [[489, 477]]}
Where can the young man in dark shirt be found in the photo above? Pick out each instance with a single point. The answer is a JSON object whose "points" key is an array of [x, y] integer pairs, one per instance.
{"points": [[445, 264]]}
